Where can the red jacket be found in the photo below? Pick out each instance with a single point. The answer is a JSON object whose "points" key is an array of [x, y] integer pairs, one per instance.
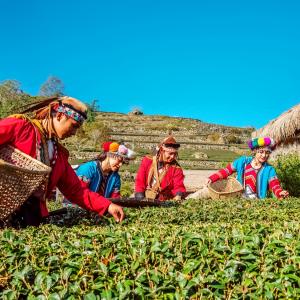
{"points": [[22, 135], [171, 185]]}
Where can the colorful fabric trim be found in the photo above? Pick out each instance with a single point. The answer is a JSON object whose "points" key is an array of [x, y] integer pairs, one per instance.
{"points": [[250, 178], [70, 112], [84, 179], [261, 142], [222, 174], [274, 185]]}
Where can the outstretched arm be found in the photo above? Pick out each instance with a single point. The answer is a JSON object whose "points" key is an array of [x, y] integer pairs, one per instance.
{"points": [[222, 174], [275, 187]]}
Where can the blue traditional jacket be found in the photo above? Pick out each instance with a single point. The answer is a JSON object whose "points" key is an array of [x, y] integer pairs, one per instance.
{"points": [[264, 175], [90, 172]]}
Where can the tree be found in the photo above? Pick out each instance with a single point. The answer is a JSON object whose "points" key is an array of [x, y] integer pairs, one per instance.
{"points": [[92, 110], [12, 97], [53, 86], [8, 90]]}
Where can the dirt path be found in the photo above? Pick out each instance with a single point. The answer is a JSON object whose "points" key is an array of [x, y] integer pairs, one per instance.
{"points": [[194, 179]]}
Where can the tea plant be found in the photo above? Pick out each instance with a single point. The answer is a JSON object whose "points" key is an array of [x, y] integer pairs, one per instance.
{"points": [[234, 249]]}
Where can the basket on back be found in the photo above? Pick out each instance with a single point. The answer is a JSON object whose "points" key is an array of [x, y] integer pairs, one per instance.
{"points": [[20, 176], [225, 188]]}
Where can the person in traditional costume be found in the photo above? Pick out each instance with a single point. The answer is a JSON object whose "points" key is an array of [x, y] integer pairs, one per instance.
{"points": [[102, 174], [53, 119], [160, 176], [253, 172]]}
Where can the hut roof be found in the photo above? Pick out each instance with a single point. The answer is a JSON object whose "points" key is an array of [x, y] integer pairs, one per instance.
{"points": [[283, 129]]}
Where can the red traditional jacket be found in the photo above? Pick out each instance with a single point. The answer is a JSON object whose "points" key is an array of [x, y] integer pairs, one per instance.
{"points": [[171, 185], [23, 135]]}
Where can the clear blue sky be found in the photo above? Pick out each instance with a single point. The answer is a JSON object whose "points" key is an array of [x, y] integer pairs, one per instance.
{"points": [[228, 62]]}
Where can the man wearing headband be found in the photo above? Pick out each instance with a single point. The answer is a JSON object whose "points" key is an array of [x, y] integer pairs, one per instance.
{"points": [[101, 175], [254, 172], [53, 119], [161, 177]]}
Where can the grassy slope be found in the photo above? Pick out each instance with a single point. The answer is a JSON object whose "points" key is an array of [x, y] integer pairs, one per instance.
{"points": [[213, 249]]}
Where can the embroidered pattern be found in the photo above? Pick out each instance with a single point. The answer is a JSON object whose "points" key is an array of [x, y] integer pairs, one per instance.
{"points": [[223, 173], [69, 112], [274, 185], [250, 178], [84, 178]]}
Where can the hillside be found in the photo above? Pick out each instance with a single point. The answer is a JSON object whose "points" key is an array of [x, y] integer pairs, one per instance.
{"points": [[203, 145]]}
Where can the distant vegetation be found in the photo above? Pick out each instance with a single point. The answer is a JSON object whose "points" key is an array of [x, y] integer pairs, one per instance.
{"points": [[200, 141]]}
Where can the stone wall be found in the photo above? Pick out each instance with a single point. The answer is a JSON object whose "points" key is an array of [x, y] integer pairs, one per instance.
{"points": [[195, 163]]}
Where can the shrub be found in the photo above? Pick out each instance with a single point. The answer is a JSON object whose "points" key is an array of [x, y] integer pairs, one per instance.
{"points": [[214, 137], [126, 188], [288, 171], [233, 139]]}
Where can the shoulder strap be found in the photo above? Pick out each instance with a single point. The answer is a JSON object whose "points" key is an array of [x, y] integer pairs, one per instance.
{"points": [[156, 176], [154, 172]]}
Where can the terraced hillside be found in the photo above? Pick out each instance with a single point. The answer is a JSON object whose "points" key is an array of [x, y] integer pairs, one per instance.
{"points": [[204, 145]]}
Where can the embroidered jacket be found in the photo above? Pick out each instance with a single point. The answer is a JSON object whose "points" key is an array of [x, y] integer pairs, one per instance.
{"points": [[91, 174], [266, 176]]}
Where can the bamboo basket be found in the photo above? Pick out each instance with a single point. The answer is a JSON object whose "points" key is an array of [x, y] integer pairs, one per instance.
{"points": [[225, 188], [20, 176]]}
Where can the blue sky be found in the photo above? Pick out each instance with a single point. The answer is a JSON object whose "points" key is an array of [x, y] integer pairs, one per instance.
{"points": [[228, 62]]}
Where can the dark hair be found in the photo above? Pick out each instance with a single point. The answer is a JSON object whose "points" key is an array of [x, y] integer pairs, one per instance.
{"points": [[102, 156]]}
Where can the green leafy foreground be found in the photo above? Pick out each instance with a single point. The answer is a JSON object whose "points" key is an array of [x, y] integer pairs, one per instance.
{"points": [[234, 249]]}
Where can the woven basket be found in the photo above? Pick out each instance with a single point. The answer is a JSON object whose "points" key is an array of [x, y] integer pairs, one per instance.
{"points": [[225, 188], [20, 176]]}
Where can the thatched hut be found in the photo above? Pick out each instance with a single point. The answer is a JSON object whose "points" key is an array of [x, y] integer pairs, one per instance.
{"points": [[285, 130]]}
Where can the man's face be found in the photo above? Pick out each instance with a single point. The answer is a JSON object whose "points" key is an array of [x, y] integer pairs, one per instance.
{"points": [[65, 126], [169, 154]]}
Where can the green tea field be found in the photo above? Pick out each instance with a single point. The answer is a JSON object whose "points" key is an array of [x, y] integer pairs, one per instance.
{"points": [[234, 249]]}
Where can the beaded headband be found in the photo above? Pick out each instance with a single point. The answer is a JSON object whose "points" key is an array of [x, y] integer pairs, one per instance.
{"points": [[71, 112]]}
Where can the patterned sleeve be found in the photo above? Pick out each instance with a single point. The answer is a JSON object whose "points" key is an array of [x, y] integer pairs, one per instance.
{"points": [[275, 186], [223, 173]]}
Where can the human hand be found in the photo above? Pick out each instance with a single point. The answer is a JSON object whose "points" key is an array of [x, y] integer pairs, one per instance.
{"points": [[284, 194], [117, 212]]}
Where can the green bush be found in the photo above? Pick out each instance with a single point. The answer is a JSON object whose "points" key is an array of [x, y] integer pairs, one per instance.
{"points": [[288, 171], [126, 188], [201, 249], [233, 139]]}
